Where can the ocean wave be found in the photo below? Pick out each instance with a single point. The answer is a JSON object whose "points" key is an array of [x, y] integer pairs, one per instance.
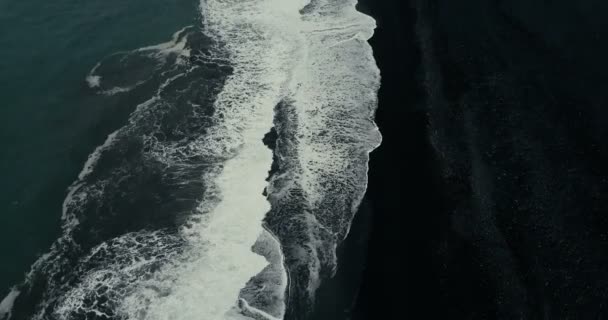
{"points": [[169, 217]]}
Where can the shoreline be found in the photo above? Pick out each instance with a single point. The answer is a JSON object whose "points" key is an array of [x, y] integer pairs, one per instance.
{"points": [[488, 191], [402, 174]]}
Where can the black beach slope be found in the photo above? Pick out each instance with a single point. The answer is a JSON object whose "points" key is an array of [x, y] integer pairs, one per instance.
{"points": [[489, 194]]}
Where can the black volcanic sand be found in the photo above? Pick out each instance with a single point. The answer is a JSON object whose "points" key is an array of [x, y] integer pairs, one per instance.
{"points": [[489, 196]]}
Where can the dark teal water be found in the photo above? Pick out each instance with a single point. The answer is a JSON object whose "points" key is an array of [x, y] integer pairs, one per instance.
{"points": [[50, 120]]}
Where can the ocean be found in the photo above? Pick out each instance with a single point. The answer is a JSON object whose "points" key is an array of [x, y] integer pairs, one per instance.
{"points": [[51, 119], [180, 159]]}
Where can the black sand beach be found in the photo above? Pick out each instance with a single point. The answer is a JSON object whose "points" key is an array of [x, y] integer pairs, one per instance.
{"points": [[489, 194], [401, 213]]}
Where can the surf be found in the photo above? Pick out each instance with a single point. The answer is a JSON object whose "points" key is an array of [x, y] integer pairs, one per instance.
{"points": [[234, 243]]}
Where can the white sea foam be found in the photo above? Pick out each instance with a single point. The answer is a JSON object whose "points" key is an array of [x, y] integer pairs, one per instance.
{"points": [[6, 305], [177, 44], [89, 165], [177, 47], [223, 264], [321, 62], [334, 100], [93, 81], [259, 36], [264, 295], [127, 262]]}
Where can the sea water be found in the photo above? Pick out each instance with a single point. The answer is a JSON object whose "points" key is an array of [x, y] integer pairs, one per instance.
{"points": [[175, 214]]}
